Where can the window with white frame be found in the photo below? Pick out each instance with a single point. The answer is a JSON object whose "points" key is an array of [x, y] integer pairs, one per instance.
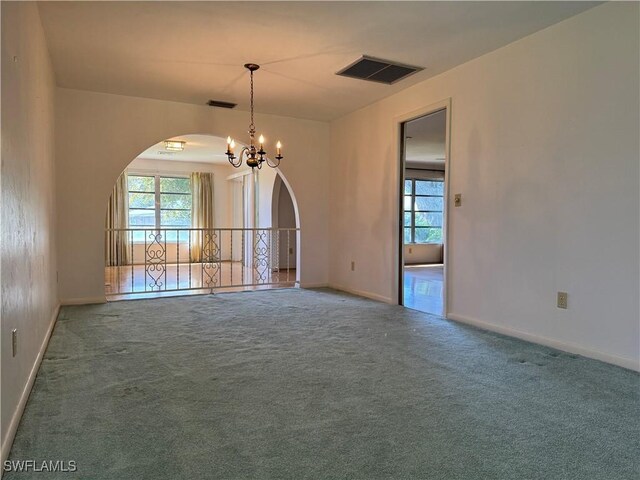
{"points": [[158, 201], [423, 206]]}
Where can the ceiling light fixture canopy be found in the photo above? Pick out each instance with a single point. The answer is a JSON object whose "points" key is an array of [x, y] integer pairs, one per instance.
{"points": [[254, 156], [174, 145]]}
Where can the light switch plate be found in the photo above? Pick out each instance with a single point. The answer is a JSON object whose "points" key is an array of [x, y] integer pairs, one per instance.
{"points": [[457, 200]]}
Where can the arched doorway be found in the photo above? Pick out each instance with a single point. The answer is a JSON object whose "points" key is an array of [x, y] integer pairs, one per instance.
{"points": [[181, 219]]}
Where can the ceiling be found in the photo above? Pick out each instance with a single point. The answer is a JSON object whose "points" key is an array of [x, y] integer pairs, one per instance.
{"points": [[425, 140], [194, 51], [198, 148]]}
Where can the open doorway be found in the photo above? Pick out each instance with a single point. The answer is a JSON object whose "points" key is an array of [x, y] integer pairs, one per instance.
{"points": [[424, 147]]}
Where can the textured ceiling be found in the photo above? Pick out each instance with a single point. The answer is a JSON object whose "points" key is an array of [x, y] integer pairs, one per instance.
{"points": [[193, 51]]}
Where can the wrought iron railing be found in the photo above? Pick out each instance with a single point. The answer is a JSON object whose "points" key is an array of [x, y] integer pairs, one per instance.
{"points": [[174, 259]]}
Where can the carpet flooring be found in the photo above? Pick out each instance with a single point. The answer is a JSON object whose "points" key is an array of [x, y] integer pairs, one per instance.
{"points": [[295, 384]]}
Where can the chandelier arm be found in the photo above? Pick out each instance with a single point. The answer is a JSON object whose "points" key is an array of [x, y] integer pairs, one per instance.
{"points": [[273, 164]]}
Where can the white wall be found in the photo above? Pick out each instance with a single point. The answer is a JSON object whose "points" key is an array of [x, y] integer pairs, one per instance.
{"points": [[544, 149], [98, 134], [27, 241]]}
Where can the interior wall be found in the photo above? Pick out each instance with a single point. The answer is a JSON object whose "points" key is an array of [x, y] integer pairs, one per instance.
{"points": [[27, 240], [544, 150], [98, 134]]}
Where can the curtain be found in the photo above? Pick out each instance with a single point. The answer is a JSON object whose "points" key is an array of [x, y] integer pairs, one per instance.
{"points": [[117, 242], [202, 217]]}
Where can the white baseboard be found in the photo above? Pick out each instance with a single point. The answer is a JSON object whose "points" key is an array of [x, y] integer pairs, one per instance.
{"points": [[362, 293], [83, 301], [314, 285], [631, 364], [7, 442]]}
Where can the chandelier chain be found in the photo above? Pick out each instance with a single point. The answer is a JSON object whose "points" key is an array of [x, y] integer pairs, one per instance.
{"points": [[252, 127]]}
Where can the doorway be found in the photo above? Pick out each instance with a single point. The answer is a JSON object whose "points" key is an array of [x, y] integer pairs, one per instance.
{"points": [[424, 143]]}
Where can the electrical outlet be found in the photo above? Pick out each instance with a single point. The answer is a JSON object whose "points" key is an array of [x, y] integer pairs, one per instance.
{"points": [[457, 200], [562, 299], [14, 342], [291, 251], [353, 266], [410, 250]]}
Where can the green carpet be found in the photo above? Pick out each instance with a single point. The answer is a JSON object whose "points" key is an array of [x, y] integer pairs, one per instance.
{"points": [[318, 384]]}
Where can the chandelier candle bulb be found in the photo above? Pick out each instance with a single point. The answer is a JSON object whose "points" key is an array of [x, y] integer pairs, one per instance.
{"points": [[278, 147]]}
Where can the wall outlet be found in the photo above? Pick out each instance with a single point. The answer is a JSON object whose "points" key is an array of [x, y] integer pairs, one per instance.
{"points": [[14, 342], [410, 250], [457, 200], [562, 299], [291, 251], [353, 266]]}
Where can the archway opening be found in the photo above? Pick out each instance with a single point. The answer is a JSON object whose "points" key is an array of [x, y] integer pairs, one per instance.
{"points": [[181, 219]]}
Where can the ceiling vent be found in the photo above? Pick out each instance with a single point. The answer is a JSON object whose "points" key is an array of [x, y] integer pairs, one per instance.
{"points": [[221, 104], [377, 70]]}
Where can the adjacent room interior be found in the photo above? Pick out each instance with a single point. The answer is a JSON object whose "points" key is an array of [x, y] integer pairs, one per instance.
{"points": [[423, 212], [364, 240]]}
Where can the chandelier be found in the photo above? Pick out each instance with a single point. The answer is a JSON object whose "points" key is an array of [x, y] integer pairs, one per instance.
{"points": [[254, 156]]}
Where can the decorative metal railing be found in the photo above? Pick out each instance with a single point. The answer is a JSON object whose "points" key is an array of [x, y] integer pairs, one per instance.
{"points": [[174, 259]]}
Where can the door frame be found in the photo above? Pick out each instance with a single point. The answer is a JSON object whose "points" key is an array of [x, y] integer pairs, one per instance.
{"points": [[399, 141]]}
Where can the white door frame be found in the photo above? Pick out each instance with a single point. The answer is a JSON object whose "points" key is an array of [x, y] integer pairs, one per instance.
{"points": [[398, 123]]}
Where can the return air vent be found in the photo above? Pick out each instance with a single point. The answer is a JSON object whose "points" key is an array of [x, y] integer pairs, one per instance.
{"points": [[221, 104], [377, 70]]}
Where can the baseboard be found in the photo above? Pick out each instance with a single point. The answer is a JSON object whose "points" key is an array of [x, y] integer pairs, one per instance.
{"points": [[7, 442], [628, 363], [83, 301], [362, 293], [314, 285]]}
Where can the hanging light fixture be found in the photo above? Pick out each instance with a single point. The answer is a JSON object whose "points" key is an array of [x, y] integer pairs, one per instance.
{"points": [[254, 156]]}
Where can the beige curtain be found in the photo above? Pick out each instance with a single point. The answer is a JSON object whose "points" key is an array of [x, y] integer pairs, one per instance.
{"points": [[202, 248], [117, 242]]}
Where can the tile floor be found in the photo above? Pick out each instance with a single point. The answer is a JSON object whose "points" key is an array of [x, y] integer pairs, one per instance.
{"points": [[423, 288]]}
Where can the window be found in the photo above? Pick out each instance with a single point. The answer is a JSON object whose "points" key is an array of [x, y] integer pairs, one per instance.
{"points": [[423, 204], [159, 202]]}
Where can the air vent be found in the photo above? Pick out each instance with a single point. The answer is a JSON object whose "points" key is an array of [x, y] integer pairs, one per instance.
{"points": [[221, 104], [377, 70]]}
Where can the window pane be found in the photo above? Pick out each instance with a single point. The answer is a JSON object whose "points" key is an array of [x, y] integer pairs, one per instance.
{"points": [[142, 200], [407, 187], [429, 203], [429, 187], [407, 202], [407, 219], [175, 185], [424, 219], [141, 184], [175, 201], [428, 235], [138, 236], [407, 235], [175, 218], [142, 218]]}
